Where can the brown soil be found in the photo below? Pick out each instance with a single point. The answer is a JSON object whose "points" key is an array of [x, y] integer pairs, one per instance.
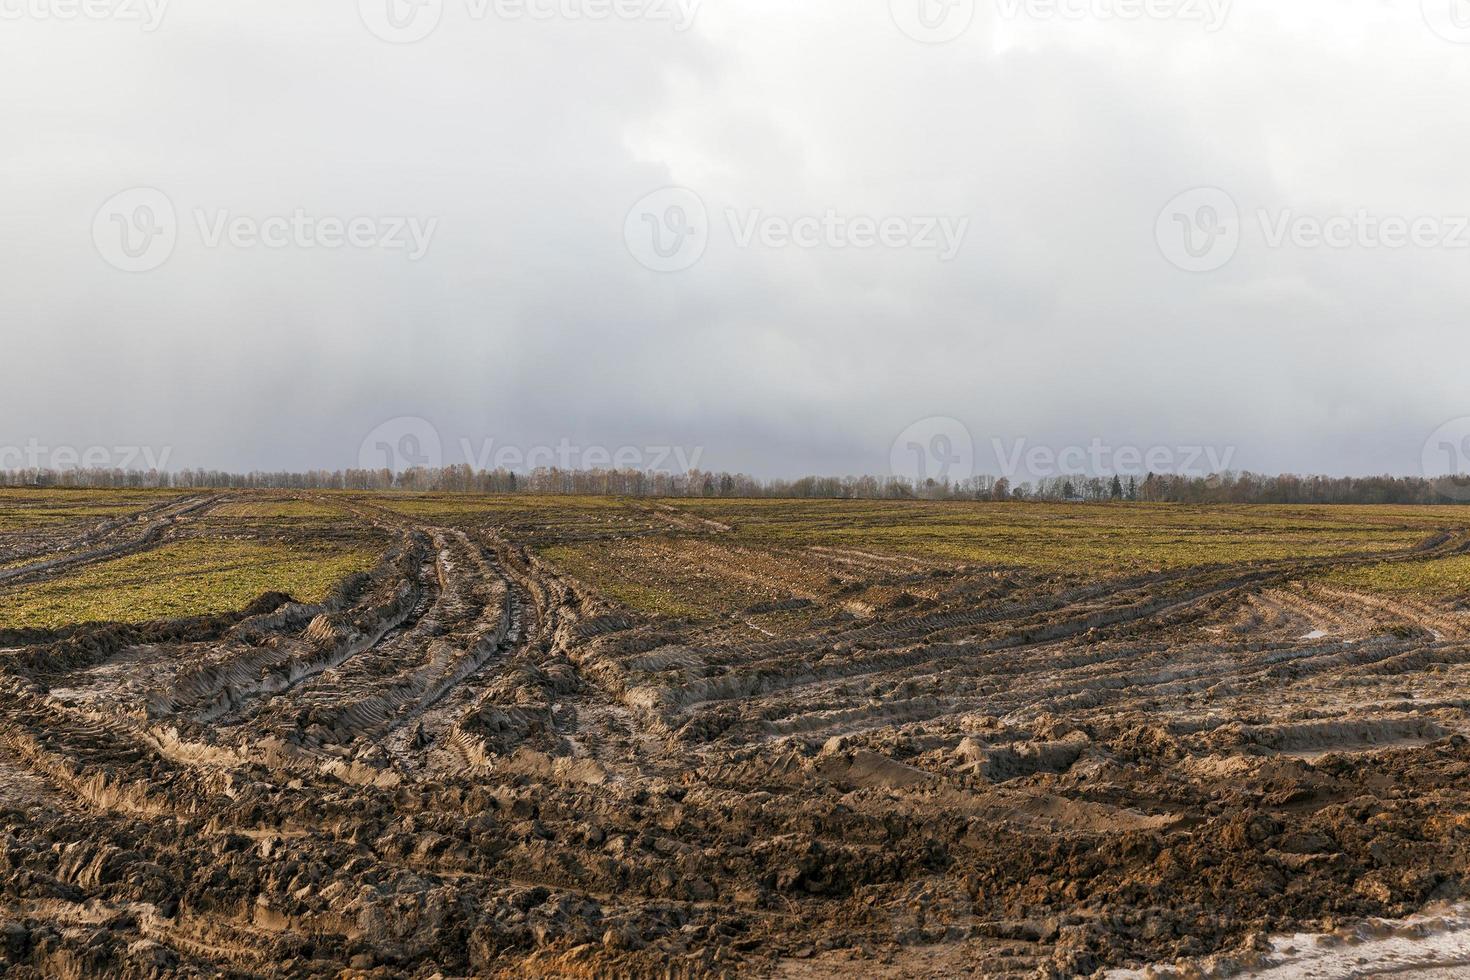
{"points": [[467, 763]]}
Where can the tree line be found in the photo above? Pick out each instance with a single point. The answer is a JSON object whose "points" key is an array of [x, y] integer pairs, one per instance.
{"points": [[1227, 488]]}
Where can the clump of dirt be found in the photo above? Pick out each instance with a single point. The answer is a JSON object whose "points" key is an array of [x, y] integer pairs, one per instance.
{"points": [[467, 763]]}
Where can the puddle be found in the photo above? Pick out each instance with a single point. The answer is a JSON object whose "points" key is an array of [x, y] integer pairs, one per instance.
{"points": [[1434, 944]]}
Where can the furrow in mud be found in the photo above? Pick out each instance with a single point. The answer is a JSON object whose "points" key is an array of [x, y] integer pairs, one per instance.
{"points": [[471, 761], [116, 539]]}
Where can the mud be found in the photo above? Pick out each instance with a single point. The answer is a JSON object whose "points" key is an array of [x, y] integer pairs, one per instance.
{"points": [[1432, 946], [49, 551], [467, 762]]}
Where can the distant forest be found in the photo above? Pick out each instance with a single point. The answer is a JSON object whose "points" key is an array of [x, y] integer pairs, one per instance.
{"points": [[1229, 488]]}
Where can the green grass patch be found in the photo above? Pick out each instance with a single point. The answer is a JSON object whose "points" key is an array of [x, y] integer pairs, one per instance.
{"points": [[651, 601], [187, 578], [1112, 538], [1444, 578], [278, 510], [505, 506], [636, 596], [30, 517], [24, 509]]}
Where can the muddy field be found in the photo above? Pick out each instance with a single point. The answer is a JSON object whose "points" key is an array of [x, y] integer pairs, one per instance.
{"points": [[604, 738]]}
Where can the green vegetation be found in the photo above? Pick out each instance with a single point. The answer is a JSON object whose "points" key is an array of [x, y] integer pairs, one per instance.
{"points": [[1102, 539], [31, 509], [505, 506], [1443, 578], [666, 574], [652, 601], [187, 578], [278, 510], [649, 599], [656, 558]]}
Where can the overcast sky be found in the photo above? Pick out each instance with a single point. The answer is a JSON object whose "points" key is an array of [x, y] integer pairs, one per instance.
{"points": [[888, 220]]}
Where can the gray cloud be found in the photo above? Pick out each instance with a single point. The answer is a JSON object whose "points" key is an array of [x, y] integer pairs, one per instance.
{"points": [[528, 321]]}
